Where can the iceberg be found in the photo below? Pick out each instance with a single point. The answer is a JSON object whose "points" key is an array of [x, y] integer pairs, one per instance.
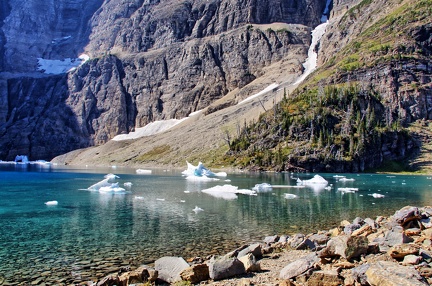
{"points": [[290, 196], [346, 180], [197, 209], [316, 180], [227, 192], [107, 185], [262, 188], [51, 203], [112, 188], [377, 196], [200, 171]]}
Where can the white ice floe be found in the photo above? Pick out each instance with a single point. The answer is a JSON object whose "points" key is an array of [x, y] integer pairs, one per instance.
{"points": [[107, 185], [264, 91], [111, 177], [346, 180], [127, 184], [201, 173], [139, 198], [61, 66], [338, 176], [112, 188], [290, 196], [197, 209], [51, 203], [143, 172], [377, 196], [316, 180], [227, 192], [348, 190], [262, 188], [161, 200]]}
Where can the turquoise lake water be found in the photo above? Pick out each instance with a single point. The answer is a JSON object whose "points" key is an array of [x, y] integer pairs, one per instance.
{"points": [[89, 234]]}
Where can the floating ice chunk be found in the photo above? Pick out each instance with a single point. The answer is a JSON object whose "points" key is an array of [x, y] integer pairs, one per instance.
{"points": [[201, 170], [227, 192], [317, 179], [290, 196], [346, 180], [98, 185], [182, 201], [377, 196], [111, 177], [197, 209], [51, 203], [139, 198], [162, 200], [338, 176], [328, 188], [128, 184], [113, 188], [262, 188], [143, 172], [348, 190], [186, 192]]}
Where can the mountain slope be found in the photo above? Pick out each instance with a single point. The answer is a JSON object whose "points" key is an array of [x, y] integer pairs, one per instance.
{"points": [[357, 112], [149, 60]]}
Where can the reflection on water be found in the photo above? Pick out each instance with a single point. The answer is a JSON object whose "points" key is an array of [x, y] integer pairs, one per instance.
{"points": [[89, 234]]}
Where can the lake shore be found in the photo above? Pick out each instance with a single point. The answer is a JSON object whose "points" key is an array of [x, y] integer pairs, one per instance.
{"points": [[394, 250]]}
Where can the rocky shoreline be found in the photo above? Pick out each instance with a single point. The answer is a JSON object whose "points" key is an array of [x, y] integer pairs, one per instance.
{"points": [[395, 250]]}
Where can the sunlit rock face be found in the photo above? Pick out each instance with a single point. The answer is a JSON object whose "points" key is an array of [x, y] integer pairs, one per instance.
{"points": [[148, 60]]}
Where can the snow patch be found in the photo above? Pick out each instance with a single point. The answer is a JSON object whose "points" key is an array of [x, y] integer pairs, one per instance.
{"points": [[150, 129], [61, 66], [264, 91]]}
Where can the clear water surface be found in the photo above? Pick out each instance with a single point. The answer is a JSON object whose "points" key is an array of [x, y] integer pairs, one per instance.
{"points": [[90, 234]]}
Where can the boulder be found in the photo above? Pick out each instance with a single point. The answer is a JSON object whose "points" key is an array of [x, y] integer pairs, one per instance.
{"points": [[348, 247], [225, 267], [296, 240], [406, 214], [365, 230], [109, 280], [299, 266], [169, 268], [399, 251], [359, 273], [271, 239], [394, 236], [139, 275], [373, 224], [250, 263], [427, 233], [324, 278], [359, 220], [386, 273], [426, 222], [411, 259], [196, 273], [255, 249], [348, 229]]}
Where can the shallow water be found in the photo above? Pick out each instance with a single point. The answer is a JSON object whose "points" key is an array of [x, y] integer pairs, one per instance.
{"points": [[89, 234]]}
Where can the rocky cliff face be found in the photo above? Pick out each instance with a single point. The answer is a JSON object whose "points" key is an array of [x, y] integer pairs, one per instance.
{"points": [[150, 60]]}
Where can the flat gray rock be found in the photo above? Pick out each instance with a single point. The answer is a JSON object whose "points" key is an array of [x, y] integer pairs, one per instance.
{"points": [[169, 268]]}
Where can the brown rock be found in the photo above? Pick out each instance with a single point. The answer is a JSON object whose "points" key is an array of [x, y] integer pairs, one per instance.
{"points": [[412, 231], [365, 230], [399, 251], [195, 273], [324, 278], [250, 263], [385, 273], [411, 260], [427, 233]]}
